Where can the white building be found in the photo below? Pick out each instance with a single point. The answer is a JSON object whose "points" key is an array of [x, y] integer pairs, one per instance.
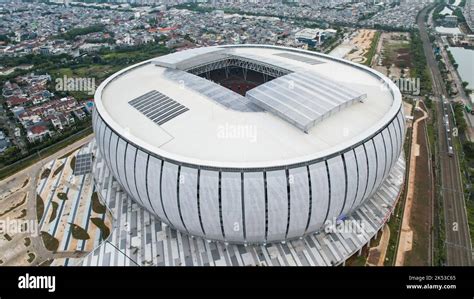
{"points": [[278, 143], [313, 36], [37, 133]]}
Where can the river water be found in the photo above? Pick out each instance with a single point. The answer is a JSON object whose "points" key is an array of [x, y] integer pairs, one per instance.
{"points": [[465, 59]]}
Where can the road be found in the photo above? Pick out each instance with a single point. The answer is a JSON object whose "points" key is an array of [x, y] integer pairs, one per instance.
{"points": [[457, 243]]}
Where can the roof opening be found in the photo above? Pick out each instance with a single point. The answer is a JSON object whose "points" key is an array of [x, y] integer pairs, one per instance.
{"points": [[238, 74], [237, 79]]}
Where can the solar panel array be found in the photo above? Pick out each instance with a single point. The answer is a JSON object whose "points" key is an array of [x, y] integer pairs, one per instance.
{"points": [[216, 92], [303, 98], [158, 107], [301, 58], [83, 164]]}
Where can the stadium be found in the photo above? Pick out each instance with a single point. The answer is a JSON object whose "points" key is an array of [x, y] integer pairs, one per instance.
{"points": [[249, 144]]}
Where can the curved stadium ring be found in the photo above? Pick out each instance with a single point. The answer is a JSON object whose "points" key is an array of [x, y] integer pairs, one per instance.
{"points": [[249, 144]]}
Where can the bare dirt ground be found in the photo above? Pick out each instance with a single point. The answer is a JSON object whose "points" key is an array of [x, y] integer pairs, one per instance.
{"points": [[420, 221], [362, 43], [14, 249], [24, 248], [377, 253], [393, 56], [407, 109], [406, 235]]}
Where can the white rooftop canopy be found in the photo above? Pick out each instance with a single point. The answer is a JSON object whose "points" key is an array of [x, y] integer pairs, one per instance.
{"points": [[183, 59], [303, 98], [214, 91]]}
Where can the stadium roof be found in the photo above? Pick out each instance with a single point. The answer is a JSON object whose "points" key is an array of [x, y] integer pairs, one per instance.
{"points": [[208, 88], [318, 105], [303, 98]]}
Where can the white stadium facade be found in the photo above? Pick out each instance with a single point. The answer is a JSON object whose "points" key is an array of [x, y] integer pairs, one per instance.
{"points": [[249, 144]]}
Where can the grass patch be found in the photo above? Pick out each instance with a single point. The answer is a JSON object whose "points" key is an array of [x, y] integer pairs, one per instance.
{"points": [[71, 34], [419, 67], [78, 232], [27, 241], [62, 196], [31, 257], [7, 236], [97, 206], [25, 183], [50, 242], [394, 225], [72, 163], [45, 173], [100, 71], [398, 54], [431, 136], [358, 260], [438, 217], [104, 230], [396, 220], [39, 207], [470, 218], [54, 211], [58, 170], [22, 214], [373, 48]]}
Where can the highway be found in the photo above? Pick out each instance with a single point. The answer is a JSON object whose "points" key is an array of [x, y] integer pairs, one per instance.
{"points": [[457, 243]]}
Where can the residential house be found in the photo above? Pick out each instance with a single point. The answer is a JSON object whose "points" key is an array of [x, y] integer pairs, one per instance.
{"points": [[38, 133]]}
